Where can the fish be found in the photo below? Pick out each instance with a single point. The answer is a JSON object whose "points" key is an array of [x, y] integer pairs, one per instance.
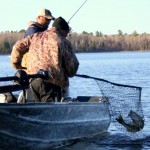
{"points": [[137, 119], [136, 125]]}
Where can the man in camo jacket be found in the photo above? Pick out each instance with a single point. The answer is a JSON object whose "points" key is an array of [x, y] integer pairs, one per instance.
{"points": [[51, 51]]}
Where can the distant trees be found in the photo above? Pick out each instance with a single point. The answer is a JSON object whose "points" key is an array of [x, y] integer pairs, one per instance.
{"points": [[97, 33], [88, 42], [7, 40], [120, 32]]}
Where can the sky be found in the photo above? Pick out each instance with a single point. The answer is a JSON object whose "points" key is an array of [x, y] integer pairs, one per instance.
{"points": [[105, 16]]}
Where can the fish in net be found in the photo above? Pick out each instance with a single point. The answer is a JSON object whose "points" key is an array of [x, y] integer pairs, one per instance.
{"points": [[124, 105]]}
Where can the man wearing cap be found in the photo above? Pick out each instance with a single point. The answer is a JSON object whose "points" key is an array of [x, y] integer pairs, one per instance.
{"points": [[43, 20], [51, 51]]}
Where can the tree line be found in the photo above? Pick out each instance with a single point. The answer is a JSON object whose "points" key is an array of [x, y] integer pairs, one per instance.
{"points": [[88, 42]]}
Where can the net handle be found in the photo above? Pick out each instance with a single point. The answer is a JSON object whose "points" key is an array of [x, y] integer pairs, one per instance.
{"points": [[99, 79]]}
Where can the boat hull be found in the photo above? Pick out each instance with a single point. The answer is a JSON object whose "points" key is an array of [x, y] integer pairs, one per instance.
{"points": [[43, 125]]}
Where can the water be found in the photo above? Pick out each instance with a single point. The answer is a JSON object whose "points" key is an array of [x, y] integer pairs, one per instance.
{"points": [[131, 68]]}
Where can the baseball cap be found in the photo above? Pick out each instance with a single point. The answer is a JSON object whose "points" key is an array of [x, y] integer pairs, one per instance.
{"points": [[45, 13]]}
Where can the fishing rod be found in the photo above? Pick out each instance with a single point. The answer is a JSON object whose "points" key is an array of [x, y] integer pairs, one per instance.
{"points": [[21, 80], [77, 11]]}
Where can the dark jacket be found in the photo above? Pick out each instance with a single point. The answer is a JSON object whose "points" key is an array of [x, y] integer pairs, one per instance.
{"points": [[34, 27]]}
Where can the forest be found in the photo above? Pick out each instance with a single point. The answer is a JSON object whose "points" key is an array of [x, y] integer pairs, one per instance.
{"points": [[88, 42]]}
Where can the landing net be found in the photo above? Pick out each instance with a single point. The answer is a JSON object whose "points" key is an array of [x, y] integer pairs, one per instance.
{"points": [[122, 99]]}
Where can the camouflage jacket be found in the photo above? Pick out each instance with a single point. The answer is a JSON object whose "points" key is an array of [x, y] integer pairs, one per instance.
{"points": [[49, 51], [33, 27]]}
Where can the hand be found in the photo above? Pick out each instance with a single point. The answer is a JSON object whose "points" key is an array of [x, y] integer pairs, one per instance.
{"points": [[18, 66]]}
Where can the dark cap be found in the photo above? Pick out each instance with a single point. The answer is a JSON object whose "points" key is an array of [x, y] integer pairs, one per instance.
{"points": [[61, 23]]}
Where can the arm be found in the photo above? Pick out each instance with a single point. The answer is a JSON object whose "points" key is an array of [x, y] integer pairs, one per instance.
{"points": [[70, 61], [19, 49]]}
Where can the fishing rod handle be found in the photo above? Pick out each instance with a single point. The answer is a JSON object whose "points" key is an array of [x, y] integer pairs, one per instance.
{"points": [[21, 75]]}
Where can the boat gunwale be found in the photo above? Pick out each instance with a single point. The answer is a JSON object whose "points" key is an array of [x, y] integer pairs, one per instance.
{"points": [[47, 104]]}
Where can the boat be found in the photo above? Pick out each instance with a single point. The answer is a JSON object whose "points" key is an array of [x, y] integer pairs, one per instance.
{"points": [[34, 125], [46, 124]]}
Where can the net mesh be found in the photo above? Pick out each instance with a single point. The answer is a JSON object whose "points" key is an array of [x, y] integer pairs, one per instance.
{"points": [[122, 99]]}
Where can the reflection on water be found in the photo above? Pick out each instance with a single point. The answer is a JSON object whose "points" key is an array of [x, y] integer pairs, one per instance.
{"points": [[109, 141], [123, 68]]}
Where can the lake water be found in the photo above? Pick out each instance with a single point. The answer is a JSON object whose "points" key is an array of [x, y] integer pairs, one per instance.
{"points": [[130, 68]]}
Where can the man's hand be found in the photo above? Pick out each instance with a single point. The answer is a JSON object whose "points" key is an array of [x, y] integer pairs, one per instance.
{"points": [[18, 66]]}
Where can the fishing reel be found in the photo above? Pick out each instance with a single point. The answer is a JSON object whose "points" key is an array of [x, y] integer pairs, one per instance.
{"points": [[21, 78]]}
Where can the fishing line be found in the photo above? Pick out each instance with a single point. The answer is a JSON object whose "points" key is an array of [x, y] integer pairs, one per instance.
{"points": [[76, 11]]}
